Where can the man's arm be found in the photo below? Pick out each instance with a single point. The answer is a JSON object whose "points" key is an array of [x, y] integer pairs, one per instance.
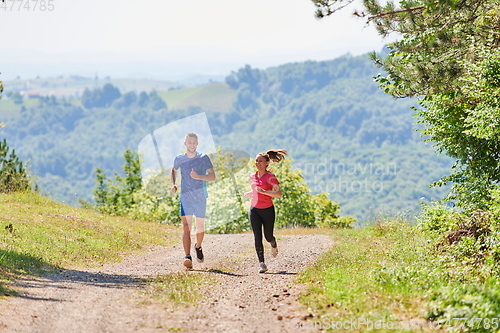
{"points": [[209, 176], [172, 178]]}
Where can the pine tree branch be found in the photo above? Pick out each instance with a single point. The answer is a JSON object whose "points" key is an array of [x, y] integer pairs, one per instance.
{"points": [[394, 12]]}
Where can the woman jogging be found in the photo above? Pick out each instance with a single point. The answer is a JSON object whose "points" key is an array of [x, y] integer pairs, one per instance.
{"points": [[265, 187]]}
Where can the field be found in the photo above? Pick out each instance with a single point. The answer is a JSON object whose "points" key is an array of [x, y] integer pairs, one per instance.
{"points": [[212, 97]]}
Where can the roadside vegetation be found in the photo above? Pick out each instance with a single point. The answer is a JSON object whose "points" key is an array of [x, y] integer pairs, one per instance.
{"points": [[39, 235], [126, 196], [392, 275]]}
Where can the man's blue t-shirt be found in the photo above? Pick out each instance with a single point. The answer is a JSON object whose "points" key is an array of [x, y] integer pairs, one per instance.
{"points": [[193, 190]]}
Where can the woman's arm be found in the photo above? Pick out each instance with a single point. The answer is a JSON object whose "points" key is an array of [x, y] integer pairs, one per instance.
{"points": [[274, 193]]}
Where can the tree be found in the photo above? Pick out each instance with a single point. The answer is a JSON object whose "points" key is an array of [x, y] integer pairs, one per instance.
{"points": [[246, 75], [13, 175], [126, 196], [447, 57], [130, 99], [116, 196], [100, 97], [155, 102]]}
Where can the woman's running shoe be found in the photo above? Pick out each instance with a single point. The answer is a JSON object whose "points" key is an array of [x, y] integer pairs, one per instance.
{"points": [[274, 252]]}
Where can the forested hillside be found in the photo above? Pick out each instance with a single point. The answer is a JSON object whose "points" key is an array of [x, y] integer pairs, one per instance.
{"points": [[348, 137]]}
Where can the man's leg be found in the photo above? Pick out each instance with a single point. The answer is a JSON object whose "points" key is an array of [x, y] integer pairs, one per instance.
{"points": [[199, 212], [186, 233], [200, 230], [200, 233]]}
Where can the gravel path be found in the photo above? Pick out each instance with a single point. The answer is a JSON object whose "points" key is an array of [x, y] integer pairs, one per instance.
{"points": [[109, 298]]}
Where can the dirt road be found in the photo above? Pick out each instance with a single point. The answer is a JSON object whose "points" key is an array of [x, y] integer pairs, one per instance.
{"points": [[111, 298]]}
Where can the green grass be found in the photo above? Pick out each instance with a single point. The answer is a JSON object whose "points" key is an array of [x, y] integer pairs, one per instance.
{"points": [[39, 235], [9, 108], [178, 289], [380, 274], [212, 97]]}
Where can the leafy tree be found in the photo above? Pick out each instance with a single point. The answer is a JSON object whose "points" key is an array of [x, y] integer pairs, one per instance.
{"points": [[99, 98], [155, 102], [326, 213], [448, 57], [15, 96], [143, 99], [130, 99], [252, 78], [125, 100], [109, 94]]}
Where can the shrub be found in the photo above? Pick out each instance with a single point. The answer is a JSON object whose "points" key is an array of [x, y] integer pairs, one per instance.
{"points": [[471, 308], [437, 218]]}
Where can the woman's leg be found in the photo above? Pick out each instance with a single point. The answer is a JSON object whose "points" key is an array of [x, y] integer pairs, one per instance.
{"points": [[268, 217], [256, 223]]}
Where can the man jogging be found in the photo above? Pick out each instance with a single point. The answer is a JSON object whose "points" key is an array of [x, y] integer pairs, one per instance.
{"points": [[196, 169]]}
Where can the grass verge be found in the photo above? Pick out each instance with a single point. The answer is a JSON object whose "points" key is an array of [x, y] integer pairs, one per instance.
{"points": [[39, 235], [380, 278]]}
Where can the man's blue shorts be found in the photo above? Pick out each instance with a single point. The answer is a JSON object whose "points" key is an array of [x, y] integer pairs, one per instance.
{"points": [[197, 208]]}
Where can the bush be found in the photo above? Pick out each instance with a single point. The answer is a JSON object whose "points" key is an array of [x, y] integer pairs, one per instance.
{"points": [[470, 308], [437, 218], [468, 243], [325, 213]]}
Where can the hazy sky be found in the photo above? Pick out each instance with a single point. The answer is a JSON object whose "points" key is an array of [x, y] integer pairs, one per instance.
{"points": [[171, 39]]}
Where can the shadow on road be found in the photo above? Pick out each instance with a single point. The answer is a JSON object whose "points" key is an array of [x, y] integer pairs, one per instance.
{"points": [[66, 279]]}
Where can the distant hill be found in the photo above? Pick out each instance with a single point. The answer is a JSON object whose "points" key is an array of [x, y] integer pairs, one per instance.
{"points": [[216, 97], [348, 137], [73, 86]]}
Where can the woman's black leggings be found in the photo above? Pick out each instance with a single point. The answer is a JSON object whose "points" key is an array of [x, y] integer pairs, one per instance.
{"points": [[262, 218]]}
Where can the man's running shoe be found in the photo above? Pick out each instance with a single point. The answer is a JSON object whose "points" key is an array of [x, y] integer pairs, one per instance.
{"points": [[262, 268], [199, 253], [188, 262], [274, 252]]}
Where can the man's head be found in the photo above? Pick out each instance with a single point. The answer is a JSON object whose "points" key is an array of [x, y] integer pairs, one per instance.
{"points": [[191, 142]]}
